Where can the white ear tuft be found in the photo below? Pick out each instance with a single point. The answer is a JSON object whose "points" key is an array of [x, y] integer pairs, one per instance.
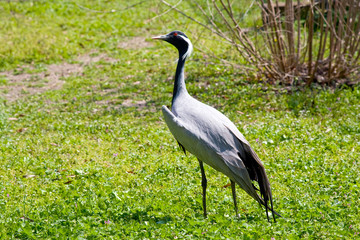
{"points": [[190, 47]]}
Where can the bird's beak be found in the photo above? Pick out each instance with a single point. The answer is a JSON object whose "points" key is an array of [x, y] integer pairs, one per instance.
{"points": [[161, 37]]}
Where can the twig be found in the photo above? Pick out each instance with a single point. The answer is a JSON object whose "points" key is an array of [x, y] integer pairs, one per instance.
{"points": [[149, 20], [289, 26], [211, 21], [310, 43], [298, 32], [247, 10], [193, 19]]}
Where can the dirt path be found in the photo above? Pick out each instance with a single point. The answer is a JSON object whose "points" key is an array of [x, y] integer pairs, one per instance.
{"points": [[20, 83], [25, 84]]}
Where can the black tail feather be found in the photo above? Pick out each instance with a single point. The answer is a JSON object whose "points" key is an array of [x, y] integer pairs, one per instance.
{"points": [[257, 173]]}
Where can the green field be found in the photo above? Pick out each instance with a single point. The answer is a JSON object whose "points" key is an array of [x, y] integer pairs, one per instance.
{"points": [[85, 152]]}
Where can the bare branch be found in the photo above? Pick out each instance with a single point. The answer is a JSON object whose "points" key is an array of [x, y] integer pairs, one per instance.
{"points": [[149, 20]]}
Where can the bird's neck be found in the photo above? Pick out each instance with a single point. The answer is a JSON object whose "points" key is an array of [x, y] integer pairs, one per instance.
{"points": [[179, 84]]}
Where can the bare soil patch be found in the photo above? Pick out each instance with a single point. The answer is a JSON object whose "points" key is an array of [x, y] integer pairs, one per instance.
{"points": [[132, 103], [135, 43], [25, 84]]}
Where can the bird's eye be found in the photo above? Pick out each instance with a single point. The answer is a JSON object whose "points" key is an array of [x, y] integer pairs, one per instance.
{"points": [[175, 34]]}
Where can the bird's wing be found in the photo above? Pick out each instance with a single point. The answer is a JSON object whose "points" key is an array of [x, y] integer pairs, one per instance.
{"points": [[212, 132], [246, 157], [255, 169], [239, 173], [233, 129], [184, 130]]}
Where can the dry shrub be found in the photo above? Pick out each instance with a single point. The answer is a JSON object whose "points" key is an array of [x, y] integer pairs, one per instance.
{"points": [[301, 42]]}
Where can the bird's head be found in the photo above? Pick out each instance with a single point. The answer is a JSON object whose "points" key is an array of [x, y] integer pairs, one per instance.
{"points": [[179, 40]]}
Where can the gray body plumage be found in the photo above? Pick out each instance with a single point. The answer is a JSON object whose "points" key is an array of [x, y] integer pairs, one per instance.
{"points": [[211, 136]]}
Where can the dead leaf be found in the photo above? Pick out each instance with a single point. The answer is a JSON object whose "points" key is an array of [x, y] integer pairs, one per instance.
{"points": [[227, 185], [21, 130]]}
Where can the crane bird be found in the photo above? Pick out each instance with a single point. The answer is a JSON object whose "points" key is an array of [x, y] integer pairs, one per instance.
{"points": [[212, 137]]}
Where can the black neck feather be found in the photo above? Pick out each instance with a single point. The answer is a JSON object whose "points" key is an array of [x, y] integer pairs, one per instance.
{"points": [[179, 82]]}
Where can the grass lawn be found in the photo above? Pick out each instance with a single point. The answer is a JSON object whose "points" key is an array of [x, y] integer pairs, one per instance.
{"points": [[85, 152]]}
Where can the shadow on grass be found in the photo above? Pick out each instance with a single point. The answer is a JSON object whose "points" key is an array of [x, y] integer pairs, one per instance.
{"points": [[143, 215]]}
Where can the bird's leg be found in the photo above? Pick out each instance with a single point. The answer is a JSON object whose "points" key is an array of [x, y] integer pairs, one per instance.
{"points": [[204, 185], [234, 197]]}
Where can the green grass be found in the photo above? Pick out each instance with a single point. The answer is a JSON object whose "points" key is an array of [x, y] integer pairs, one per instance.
{"points": [[75, 163]]}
